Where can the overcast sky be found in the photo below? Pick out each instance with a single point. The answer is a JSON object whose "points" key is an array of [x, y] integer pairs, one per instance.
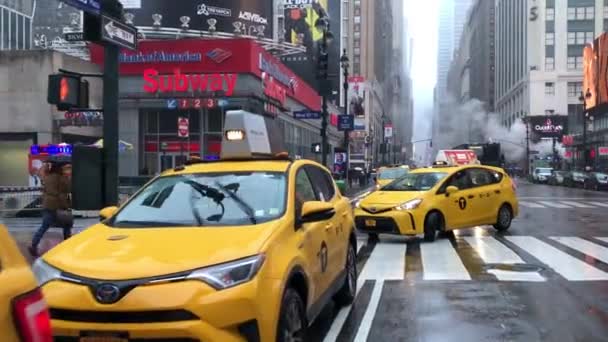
{"points": [[422, 21]]}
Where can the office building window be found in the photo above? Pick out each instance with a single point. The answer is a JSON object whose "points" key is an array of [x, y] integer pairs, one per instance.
{"points": [[589, 13], [575, 89], [357, 51], [550, 14], [575, 63], [605, 12], [580, 38], [357, 19], [581, 13], [549, 38], [549, 63], [549, 88]]}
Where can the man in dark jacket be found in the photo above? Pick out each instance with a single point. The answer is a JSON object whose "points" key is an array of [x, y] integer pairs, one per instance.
{"points": [[55, 196]]}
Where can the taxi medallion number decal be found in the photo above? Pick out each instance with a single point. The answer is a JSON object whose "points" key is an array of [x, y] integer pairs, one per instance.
{"points": [[462, 203]]}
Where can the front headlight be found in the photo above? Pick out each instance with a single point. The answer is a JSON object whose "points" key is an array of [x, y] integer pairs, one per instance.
{"points": [[44, 272], [229, 274], [358, 204], [409, 205]]}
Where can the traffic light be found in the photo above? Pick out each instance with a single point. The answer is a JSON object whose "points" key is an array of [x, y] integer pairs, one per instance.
{"points": [[67, 91], [316, 148]]}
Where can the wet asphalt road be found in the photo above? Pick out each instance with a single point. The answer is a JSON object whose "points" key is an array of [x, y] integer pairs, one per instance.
{"points": [[546, 279]]}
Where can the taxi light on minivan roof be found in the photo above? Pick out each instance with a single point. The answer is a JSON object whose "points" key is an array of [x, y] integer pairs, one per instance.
{"points": [[251, 136], [235, 134]]}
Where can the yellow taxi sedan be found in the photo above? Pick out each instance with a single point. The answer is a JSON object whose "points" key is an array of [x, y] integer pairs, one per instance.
{"points": [[438, 199], [248, 248], [389, 174], [24, 315]]}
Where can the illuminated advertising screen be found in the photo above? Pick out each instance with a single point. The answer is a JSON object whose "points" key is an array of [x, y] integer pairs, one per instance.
{"points": [[300, 18], [589, 76], [553, 126], [250, 17]]}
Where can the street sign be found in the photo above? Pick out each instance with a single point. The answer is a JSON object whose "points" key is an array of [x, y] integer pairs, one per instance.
{"points": [[115, 32], [534, 152], [346, 122], [388, 131], [306, 114], [74, 36], [183, 125], [89, 6], [172, 104]]}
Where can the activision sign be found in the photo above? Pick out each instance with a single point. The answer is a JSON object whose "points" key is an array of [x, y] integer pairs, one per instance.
{"points": [[553, 126]]}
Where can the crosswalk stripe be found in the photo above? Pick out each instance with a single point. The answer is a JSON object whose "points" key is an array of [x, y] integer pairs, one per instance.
{"points": [[605, 239], [586, 247], [492, 251], [530, 204], [368, 317], [577, 204], [568, 266], [387, 261], [554, 205], [599, 204], [441, 262]]}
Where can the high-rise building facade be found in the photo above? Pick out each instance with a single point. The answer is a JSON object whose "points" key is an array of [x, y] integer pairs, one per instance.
{"points": [[16, 24]]}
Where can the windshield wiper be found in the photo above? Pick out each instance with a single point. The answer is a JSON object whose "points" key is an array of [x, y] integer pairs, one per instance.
{"points": [[242, 204]]}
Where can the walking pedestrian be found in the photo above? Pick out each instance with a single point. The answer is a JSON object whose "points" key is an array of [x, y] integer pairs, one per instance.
{"points": [[56, 190]]}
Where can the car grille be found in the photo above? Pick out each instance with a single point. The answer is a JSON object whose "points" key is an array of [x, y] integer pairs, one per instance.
{"points": [[383, 225], [376, 210], [123, 317]]}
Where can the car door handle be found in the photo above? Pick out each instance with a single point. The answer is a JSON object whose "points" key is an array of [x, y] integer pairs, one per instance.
{"points": [[471, 196], [497, 191]]}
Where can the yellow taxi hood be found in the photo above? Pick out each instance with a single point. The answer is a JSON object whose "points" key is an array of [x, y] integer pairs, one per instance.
{"points": [[101, 252], [391, 197]]}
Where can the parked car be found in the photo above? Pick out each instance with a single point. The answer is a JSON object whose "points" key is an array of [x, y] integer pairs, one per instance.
{"points": [[541, 174], [575, 179], [596, 181], [557, 177]]}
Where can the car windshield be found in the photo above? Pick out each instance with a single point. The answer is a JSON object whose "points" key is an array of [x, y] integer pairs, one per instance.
{"points": [[416, 182], [206, 199], [392, 173]]}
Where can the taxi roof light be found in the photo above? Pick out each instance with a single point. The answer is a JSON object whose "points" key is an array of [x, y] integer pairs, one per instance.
{"points": [[235, 134]]}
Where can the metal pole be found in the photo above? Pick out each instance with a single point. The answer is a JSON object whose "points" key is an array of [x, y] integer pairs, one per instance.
{"points": [[384, 144], [527, 147], [346, 132], [585, 154], [324, 131], [110, 124]]}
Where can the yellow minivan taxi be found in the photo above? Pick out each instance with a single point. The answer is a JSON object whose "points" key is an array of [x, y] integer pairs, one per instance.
{"points": [[24, 315], [441, 198], [232, 250]]}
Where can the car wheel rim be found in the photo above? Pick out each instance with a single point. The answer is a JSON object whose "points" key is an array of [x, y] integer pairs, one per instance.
{"points": [[293, 329], [352, 271], [505, 217]]}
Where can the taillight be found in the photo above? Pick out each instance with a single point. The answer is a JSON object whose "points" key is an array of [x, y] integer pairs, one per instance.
{"points": [[32, 317]]}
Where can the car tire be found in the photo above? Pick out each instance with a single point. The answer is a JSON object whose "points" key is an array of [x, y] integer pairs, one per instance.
{"points": [[292, 318], [432, 225], [348, 291], [504, 218]]}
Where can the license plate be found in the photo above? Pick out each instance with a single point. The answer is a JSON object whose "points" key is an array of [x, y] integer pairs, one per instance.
{"points": [[370, 223], [104, 337]]}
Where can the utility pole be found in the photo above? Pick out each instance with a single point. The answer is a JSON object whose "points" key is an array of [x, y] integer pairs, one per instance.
{"points": [[345, 63], [322, 24], [527, 145]]}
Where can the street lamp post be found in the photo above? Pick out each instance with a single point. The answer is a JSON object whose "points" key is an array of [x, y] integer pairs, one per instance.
{"points": [[322, 24], [583, 98], [344, 62]]}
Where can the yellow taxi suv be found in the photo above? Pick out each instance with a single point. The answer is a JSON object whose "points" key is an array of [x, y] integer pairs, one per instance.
{"points": [[438, 199], [388, 174], [248, 248], [24, 315]]}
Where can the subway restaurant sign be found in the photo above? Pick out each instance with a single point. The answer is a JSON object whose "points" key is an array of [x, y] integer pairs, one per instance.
{"points": [[178, 82]]}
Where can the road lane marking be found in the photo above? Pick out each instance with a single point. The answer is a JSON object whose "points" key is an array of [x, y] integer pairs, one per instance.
{"points": [[441, 262], [554, 205], [568, 266], [577, 204], [530, 204], [370, 312], [586, 247], [493, 251], [387, 261], [599, 204]]}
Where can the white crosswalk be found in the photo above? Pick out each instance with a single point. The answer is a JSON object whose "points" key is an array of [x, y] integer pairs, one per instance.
{"points": [[506, 260], [563, 204]]}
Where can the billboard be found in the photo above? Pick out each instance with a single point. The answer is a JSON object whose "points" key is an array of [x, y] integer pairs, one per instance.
{"points": [[251, 17], [589, 76], [553, 126], [300, 17], [595, 72]]}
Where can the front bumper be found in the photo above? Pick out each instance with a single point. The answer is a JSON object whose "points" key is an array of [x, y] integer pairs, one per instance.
{"points": [[178, 311], [400, 222]]}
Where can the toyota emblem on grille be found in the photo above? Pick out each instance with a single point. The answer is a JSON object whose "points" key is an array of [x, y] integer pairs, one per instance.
{"points": [[107, 293], [373, 209]]}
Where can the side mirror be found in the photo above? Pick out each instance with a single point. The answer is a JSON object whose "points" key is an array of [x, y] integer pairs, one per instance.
{"points": [[315, 211], [107, 212], [451, 190]]}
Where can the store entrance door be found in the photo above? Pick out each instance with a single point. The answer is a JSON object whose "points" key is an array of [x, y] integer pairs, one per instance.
{"points": [[170, 160]]}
